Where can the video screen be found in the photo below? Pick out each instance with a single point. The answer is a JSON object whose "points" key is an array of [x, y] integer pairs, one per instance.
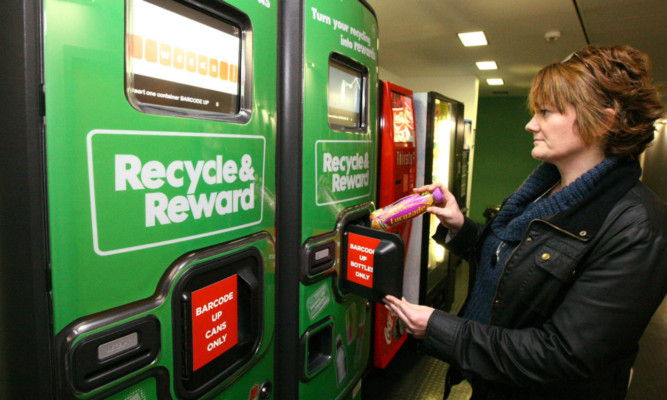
{"points": [[346, 95], [180, 59]]}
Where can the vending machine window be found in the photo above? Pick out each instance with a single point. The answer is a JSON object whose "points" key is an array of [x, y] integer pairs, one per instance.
{"points": [[347, 94], [443, 163], [194, 71]]}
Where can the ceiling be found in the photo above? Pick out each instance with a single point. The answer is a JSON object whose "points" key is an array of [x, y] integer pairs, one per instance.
{"points": [[418, 38]]}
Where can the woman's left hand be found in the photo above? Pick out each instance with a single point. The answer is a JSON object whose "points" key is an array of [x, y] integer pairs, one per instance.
{"points": [[414, 316]]}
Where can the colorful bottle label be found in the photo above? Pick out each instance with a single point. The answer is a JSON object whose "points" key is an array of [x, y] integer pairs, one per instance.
{"points": [[404, 209]]}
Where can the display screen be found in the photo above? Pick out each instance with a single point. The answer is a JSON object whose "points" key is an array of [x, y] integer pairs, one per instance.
{"points": [[404, 121], [467, 134], [180, 59], [345, 100]]}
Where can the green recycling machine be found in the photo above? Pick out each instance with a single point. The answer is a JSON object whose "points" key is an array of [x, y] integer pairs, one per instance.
{"points": [[186, 191]]}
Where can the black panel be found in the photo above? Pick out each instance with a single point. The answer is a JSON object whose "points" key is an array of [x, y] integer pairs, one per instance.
{"points": [[386, 269], [247, 266], [25, 331], [316, 348], [288, 190]]}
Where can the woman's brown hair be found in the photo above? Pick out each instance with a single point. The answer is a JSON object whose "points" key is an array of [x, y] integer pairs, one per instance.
{"points": [[595, 79]]}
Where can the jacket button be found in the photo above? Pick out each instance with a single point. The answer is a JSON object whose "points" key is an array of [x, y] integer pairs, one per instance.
{"points": [[546, 256], [496, 301], [583, 233], [529, 239]]}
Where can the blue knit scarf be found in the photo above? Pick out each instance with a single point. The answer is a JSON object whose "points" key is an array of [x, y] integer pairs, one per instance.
{"points": [[521, 208]]}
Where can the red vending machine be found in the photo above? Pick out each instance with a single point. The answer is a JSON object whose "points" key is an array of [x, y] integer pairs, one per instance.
{"points": [[398, 171]]}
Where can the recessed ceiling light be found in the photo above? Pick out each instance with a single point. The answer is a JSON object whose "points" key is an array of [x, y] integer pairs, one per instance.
{"points": [[495, 81], [486, 65], [473, 39]]}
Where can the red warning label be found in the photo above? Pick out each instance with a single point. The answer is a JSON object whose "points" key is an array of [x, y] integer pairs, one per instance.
{"points": [[214, 321], [360, 251]]}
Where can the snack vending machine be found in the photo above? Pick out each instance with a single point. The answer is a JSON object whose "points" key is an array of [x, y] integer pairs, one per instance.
{"points": [[440, 137], [143, 262], [397, 177], [327, 189]]}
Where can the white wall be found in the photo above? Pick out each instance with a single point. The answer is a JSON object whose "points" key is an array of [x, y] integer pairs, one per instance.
{"points": [[388, 76], [462, 88]]}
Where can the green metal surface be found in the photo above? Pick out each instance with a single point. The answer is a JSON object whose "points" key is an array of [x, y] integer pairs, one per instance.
{"points": [[330, 27], [144, 390], [109, 245], [348, 28]]}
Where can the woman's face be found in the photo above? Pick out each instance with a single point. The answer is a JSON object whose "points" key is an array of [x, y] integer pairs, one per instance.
{"points": [[556, 138]]}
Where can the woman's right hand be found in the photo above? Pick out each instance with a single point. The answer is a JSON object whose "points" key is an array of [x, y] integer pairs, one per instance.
{"points": [[448, 212]]}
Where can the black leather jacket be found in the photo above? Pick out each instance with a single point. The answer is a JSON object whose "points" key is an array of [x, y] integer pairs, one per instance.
{"points": [[574, 298]]}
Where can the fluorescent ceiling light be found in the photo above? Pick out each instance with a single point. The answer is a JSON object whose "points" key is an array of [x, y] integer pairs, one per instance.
{"points": [[473, 39], [495, 81], [486, 65]]}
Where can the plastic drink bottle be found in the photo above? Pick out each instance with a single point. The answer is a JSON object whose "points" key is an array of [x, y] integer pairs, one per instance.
{"points": [[404, 209]]}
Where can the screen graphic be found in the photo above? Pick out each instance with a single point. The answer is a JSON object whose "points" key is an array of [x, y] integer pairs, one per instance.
{"points": [[194, 67], [345, 96]]}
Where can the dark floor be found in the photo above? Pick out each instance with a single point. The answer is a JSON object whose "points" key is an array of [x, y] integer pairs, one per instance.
{"points": [[412, 375]]}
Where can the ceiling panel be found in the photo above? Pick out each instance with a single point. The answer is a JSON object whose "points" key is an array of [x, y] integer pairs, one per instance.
{"points": [[418, 38]]}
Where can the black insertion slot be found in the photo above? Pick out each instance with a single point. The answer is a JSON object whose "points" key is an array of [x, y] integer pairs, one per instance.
{"points": [[113, 353], [321, 257]]}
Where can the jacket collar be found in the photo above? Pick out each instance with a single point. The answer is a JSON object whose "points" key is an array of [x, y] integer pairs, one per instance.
{"points": [[586, 217]]}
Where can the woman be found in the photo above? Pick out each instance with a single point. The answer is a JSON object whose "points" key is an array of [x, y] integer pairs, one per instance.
{"points": [[567, 275]]}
